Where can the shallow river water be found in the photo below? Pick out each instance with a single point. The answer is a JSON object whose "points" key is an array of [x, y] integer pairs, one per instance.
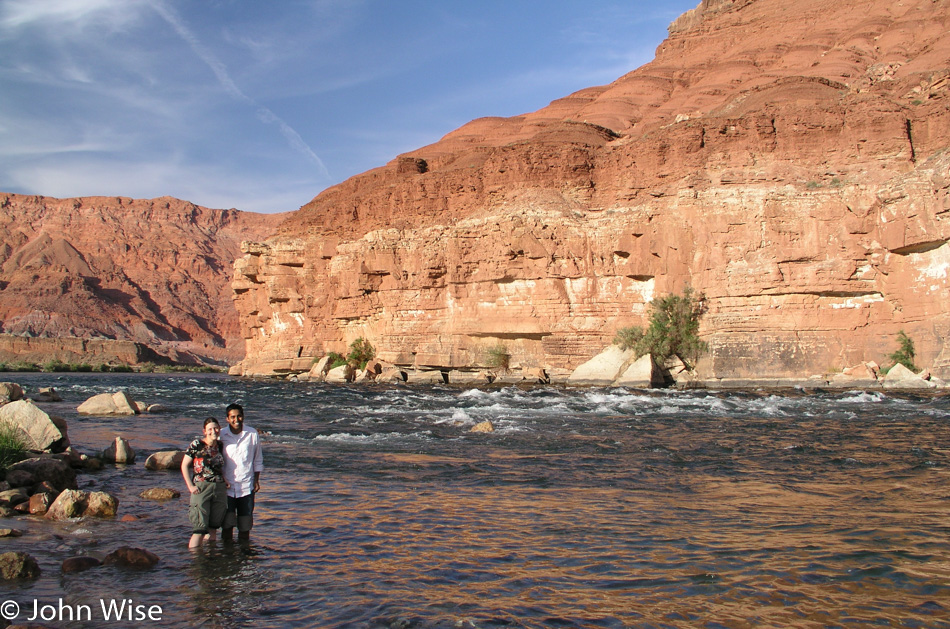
{"points": [[585, 508]]}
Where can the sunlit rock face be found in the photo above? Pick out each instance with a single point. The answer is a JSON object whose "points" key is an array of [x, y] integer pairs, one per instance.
{"points": [[787, 159], [76, 273]]}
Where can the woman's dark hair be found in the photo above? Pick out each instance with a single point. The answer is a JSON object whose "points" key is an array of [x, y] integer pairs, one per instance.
{"points": [[210, 420]]}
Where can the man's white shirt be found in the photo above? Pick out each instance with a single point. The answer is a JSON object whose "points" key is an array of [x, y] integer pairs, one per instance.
{"points": [[243, 457]]}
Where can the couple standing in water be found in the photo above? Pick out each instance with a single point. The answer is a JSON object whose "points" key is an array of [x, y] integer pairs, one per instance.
{"points": [[222, 470]]}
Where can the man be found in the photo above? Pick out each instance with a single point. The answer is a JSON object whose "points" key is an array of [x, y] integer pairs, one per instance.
{"points": [[244, 462]]}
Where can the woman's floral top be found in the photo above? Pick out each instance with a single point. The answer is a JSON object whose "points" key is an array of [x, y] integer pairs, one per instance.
{"points": [[208, 461]]}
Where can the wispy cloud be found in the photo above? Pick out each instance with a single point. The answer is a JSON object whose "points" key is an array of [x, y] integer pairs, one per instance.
{"points": [[52, 14], [224, 78]]}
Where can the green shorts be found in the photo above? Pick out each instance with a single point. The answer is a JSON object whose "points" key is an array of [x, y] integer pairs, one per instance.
{"points": [[208, 507]]}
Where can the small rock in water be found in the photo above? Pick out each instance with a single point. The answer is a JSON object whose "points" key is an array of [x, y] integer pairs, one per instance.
{"points": [[160, 493], [485, 426]]}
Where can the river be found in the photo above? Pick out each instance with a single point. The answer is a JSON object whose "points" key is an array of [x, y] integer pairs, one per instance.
{"points": [[585, 508]]}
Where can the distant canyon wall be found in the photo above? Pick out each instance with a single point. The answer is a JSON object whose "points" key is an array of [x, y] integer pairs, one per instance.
{"points": [[152, 273], [75, 351], [786, 159]]}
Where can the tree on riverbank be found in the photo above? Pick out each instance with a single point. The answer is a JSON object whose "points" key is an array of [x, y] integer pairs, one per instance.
{"points": [[906, 354], [673, 330]]}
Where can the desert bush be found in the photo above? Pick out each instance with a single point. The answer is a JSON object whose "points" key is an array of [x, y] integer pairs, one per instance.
{"points": [[906, 354], [336, 360], [673, 330], [361, 352], [498, 357]]}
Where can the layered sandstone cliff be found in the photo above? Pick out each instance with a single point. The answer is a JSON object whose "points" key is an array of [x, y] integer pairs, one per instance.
{"points": [[787, 158], [152, 272]]}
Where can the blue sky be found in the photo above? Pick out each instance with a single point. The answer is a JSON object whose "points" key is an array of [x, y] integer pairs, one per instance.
{"points": [[260, 105]]}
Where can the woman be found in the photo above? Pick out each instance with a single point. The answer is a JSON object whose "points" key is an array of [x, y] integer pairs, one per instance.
{"points": [[209, 494]]}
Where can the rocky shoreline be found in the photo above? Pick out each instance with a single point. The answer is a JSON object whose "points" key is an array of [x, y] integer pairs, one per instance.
{"points": [[612, 367], [44, 484]]}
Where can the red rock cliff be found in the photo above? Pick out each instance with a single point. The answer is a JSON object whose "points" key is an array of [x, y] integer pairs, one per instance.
{"points": [[155, 272], [788, 158]]}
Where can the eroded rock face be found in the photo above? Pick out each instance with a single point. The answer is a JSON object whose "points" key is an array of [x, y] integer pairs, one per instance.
{"points": [[796, 175], [151, 273]]}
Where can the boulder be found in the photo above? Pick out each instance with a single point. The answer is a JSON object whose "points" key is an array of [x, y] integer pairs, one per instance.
{"points": [[11, 533], [900, 377], [20, 478], [13, 497], [10, 392], [71, 503], [119, 403], [74, 503], [860, 372], [101, 505], [508, 377], [392, 375], [603, 369], [643, 373], [119, 452], [474, 378], [374, 368], [861, 375], [341, 374], [320, 368], [129, 557], [535, 375], [40, 503], [33, 425], [428, 377], [46, 394], [79, 564], [160, 493], [18, 565], [165, 460], [74, 457], [56, 472]]}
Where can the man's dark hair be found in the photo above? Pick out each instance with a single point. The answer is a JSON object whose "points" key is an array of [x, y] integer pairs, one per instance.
{"points": [[235, 407]]}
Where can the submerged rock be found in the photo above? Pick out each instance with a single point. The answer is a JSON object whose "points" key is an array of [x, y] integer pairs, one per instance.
{"points": [[130, 557], [17, 565], [79, 564], [160, 493]]}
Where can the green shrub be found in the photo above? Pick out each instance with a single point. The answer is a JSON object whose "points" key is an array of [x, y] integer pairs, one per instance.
{"points": [[20, 366], [12, 446], [361, 352], [905, 355], [336, 360], [673, 330], [498, 357]]}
